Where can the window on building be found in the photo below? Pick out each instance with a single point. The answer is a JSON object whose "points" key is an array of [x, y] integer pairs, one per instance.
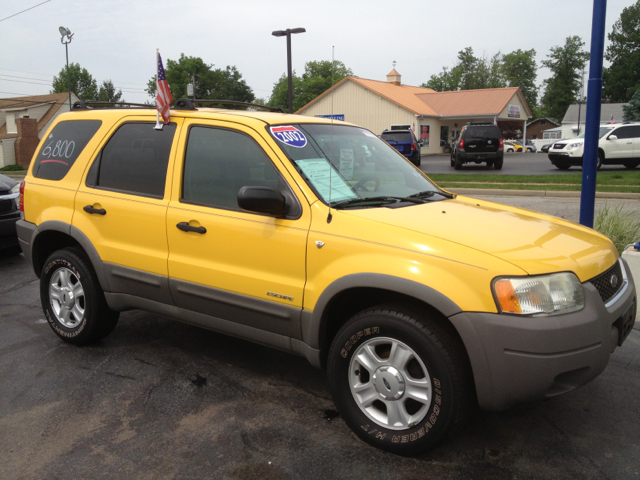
{"points": [[134, 160], [543, 122]]}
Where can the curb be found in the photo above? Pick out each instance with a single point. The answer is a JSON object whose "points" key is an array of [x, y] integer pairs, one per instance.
{"points": [[539, 193]]}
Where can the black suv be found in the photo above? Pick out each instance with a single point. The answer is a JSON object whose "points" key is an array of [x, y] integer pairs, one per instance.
{"points": [[405, 142], [9, 215], [478, 142]]}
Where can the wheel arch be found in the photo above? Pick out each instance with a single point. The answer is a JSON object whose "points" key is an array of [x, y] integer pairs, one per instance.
{"points": [[55, 235], [353, 293]]}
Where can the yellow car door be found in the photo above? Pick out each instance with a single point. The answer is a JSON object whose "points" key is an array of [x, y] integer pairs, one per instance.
{"points": [[225, 262], [122, 203]]}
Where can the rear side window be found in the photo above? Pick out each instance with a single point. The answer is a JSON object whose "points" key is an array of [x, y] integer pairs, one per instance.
{"points": [[483, 132], [396, 137], [62, 147], [134, 160]]}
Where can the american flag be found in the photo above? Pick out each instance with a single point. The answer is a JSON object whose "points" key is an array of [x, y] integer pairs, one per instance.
{"points": [[613, 120], [163, 94]]}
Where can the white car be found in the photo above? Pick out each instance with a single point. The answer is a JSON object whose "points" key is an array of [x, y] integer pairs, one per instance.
{"points": [[619, 144]]}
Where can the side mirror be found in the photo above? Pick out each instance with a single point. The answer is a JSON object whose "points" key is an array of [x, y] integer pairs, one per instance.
{"points": [[612, 137], [262, 200]]}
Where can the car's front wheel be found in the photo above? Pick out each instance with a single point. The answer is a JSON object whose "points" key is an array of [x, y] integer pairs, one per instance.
{"points": [[72, 299], [400, 380]]}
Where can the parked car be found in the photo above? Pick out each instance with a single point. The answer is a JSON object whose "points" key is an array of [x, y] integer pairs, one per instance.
{"points": [[405, 142], [618, 145], [478, 143], [545, 148], [9, 215], [510, 146], [530, 146], [419, 303]]}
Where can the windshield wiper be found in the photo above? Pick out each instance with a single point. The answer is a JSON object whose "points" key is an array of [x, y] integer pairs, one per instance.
{"points": [[377, 200], [430, 193]]}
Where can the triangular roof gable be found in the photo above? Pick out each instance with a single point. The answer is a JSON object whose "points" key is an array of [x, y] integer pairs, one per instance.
{"points": [[56, 100], [402, 95], [489, 101]]}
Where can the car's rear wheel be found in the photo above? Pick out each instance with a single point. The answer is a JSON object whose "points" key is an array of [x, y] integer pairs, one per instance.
{"points": [[457, 163], [453, 159], [510, 150], [400, 380], [490, 163], [417, 157], [72, 299], [497, 165], [631, 164]]}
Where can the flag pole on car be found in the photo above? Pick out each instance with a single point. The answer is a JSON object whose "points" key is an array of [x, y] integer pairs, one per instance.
{"points": [[163, 94]]}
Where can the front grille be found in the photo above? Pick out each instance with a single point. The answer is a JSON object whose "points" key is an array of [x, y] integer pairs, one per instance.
{"points": [[558, 146], [603, 282], [6, 206]]}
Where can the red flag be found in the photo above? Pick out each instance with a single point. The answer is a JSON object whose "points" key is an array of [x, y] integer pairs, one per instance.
{"points": [[163, 94]]}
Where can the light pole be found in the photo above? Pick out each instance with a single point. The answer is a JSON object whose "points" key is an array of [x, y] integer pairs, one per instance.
{"points": [[287, 33], [65, 32]]}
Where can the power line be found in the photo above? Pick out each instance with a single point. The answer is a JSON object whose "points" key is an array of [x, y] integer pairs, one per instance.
{"points": [[11, 16]]}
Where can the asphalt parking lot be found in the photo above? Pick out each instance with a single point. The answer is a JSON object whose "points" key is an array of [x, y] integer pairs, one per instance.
{"points": [[160, 399], [514, 164]]}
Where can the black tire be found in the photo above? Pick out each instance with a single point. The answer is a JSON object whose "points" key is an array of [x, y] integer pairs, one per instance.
{"points": [[453, 159], [436, 363], [510, 150], [600, 160], [562, 166], [417, 159], [490, 163], [631, 164], [497, 165], [457, 162], [78, 315]]}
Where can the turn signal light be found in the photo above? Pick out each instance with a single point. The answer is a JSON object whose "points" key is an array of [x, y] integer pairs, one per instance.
{"points": [[501, 144], [21, 197], [461, 143], [507, 298]]}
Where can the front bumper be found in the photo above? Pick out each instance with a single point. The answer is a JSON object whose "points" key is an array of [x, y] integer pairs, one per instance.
{"points": [[565, 158], [518, 359], [8, 235]]}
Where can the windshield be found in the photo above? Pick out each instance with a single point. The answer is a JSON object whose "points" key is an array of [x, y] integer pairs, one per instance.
{"points": [[483, 132], [362, 166], [603, 131]]}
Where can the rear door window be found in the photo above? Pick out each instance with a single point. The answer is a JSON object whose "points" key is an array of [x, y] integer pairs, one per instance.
{"points": [[62, 147], [134, 160]]}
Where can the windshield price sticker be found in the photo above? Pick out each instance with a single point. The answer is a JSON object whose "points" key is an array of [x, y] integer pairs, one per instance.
{"points": [[289, 135], [328, 183]]}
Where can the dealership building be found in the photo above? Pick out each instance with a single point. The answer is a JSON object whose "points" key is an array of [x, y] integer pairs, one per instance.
{"points": [[435, 117]]}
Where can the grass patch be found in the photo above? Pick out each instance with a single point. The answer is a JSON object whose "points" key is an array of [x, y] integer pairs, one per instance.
{"points": [[547, 187], [621, 226], [12, 168], [617, 178]]}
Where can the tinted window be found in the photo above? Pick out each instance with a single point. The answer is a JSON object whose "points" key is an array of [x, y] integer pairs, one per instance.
{"points": [[396, 137], [482, 132], [218, 162], [635, 131], [62, 147], [134, 160], [623, 132]]}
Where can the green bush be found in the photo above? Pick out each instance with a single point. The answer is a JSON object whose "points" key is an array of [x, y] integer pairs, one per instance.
{"points": [[12, 168], [621, 226]]}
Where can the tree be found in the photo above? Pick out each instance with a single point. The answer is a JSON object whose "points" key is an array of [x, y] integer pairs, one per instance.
{"points": [[108, 93], [210, 83], [315, 80], [520, 70], [469, 73], [620, 80], [82, 83], [566, 64], [632, 111]]}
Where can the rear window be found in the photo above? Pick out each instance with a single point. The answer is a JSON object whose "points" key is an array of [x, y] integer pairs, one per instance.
{"points": [[62, 147], [483, 132], [396, 137]]}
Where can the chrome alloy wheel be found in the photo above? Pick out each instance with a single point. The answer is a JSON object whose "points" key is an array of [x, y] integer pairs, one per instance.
{"points": [[390, 383], [67, 297]]}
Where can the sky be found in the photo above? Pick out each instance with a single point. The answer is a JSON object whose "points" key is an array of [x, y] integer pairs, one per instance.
{"points": [[117, 40]]}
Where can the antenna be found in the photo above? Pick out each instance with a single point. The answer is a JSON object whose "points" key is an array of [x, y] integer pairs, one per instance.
{"points": [[330, 217]]}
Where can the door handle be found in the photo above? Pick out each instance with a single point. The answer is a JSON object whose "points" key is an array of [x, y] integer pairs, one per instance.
{"points": [[90, 209], [185, 227], [629, 143]]}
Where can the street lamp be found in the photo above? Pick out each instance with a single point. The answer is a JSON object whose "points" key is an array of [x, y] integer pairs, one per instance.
{"points": [[287, 33], [65, 32]]}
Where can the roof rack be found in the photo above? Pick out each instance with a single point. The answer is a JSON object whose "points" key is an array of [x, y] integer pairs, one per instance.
{"points": [[82, 105], [188, 104]]}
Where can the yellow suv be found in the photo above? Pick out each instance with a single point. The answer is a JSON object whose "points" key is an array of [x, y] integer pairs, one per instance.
{"points": [[320, 239]]}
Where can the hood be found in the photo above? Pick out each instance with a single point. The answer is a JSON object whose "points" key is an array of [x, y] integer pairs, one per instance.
{"points": [[6, 183], [532, 241]]}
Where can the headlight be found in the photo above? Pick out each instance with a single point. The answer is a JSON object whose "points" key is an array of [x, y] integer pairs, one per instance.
{"points": [[575, 145], [539, 295]]}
